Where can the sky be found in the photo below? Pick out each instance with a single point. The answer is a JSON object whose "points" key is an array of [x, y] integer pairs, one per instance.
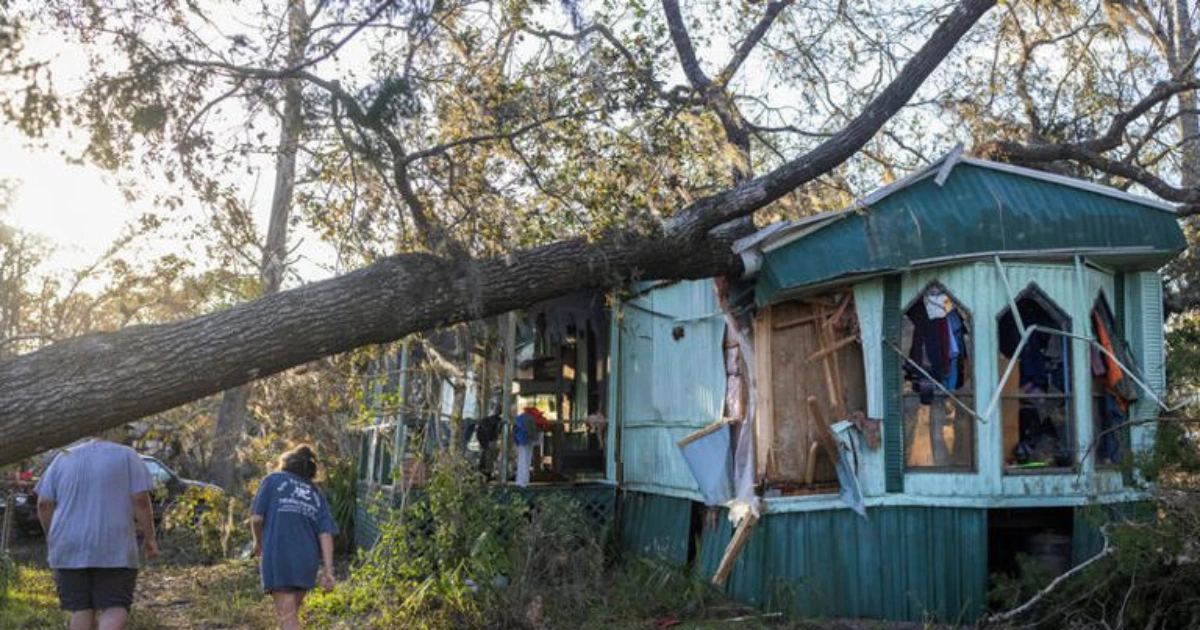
{"points": [[78, 208]]}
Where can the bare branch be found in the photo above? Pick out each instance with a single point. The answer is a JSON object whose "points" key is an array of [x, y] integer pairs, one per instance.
{"points": [[747, 46], [683, 45], [490, 137], [308, 63], [1106, 551], [1090, 152]]}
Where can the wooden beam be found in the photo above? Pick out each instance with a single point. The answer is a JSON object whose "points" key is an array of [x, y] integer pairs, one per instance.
{"points": [[824, 434], [764, 420], [740, 537], [810, 469], [692, 437], [781, 324], [837, 345]]}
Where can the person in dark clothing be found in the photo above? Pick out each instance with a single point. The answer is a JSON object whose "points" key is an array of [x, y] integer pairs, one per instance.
{"points": [[293, 532], [487, 432]]}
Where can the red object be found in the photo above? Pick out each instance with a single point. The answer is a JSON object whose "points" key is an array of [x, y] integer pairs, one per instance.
{"points": [[539, 420], [666, 622]]}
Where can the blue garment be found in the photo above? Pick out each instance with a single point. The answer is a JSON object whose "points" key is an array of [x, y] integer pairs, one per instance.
{"points": [[92, 487], [956, 333], [523, 429], [294, 515], [951, 380]]}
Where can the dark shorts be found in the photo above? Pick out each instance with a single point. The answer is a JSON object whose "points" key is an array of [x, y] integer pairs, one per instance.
{"points": [[285, 589], [95, 589]]}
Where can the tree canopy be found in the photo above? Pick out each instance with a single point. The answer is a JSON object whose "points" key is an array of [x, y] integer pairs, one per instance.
{"points": [[470, 157]]}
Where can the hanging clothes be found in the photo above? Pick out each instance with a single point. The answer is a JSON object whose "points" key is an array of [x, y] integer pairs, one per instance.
{"points": [[1115, 378], [938, 345]]}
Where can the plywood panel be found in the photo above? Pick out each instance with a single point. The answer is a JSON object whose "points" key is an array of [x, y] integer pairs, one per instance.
{"points": [[837, 379]]}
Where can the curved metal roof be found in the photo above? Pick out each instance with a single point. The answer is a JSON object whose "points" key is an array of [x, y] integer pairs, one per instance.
{"points": [[958, 209]]}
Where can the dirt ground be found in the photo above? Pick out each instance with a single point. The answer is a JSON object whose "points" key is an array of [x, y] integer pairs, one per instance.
{"points": [[169, 596]]}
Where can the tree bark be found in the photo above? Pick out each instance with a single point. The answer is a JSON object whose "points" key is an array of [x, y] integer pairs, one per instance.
{"points": [[79, 386], [231, 420]]}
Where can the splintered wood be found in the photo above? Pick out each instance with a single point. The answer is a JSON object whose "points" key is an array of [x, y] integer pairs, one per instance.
{"points": [[734, 549], [810, 364]]}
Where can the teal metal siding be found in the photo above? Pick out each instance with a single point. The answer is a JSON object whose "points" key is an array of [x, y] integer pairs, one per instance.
{"points": [[672, 382], [977, 211], [893, 414], [655, 526], [906, 563], [1144, 331]]}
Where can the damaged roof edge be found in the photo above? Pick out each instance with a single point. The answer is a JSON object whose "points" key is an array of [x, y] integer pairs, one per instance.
{"points": [[779, 294], [782, 233]]}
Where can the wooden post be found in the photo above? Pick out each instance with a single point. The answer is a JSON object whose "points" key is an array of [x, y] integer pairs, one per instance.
{"points": [[506, 396], [764, 420]]}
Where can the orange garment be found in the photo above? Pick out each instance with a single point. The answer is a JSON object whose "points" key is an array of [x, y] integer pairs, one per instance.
{"points": [[1114, 374]]}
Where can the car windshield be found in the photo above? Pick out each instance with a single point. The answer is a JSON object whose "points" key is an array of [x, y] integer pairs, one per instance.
{"points": [[158, 471]]}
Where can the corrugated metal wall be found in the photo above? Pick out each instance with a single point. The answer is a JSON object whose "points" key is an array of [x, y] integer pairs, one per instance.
{"points": [[672, 382], [906, 563], [1144, 330], [655, 526]]}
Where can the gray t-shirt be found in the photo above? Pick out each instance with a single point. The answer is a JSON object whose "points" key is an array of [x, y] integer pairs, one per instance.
{"points": [[92, 486]]}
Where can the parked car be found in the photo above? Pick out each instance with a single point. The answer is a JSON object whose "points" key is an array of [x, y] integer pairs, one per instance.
{"points": [[24, 502], [168, 487]]}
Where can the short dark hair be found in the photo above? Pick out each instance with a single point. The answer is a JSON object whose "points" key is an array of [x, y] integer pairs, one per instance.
{"points": [[300, 461]]}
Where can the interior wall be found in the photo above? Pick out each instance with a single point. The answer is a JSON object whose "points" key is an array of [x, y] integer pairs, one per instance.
{"points": [[800, 365]]}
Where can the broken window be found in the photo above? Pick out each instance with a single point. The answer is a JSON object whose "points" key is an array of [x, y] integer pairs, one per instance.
{"points": [[812, 376], [939, 396], [1036, 408], [1113, 389]]}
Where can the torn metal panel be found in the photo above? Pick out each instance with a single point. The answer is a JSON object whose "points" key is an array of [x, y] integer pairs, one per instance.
{"points": [[709, 455]]}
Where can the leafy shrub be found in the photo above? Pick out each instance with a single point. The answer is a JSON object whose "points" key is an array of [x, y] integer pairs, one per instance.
{"points": [[466, 554], [8, 575], [205, 525], [340, 489]]}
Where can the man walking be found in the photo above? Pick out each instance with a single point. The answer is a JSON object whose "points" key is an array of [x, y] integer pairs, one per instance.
{"points": [[88, 501]]}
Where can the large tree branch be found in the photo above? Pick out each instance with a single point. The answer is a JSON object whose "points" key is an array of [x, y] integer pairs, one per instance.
{"points": [[683, 45], [740, 201], [1091, 151]]}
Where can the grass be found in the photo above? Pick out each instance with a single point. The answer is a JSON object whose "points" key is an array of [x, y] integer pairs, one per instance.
{"points": [[169, 597], [635, 595]]}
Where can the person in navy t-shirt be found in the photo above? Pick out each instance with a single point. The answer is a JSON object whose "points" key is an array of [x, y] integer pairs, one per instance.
{"points": [[293, 533]]}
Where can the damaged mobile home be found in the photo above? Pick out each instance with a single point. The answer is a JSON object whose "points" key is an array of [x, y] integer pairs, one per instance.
{"points": [[898, 400], [944, 378]]}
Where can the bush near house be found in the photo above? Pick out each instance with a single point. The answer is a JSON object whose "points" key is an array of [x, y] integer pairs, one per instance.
{"points": [[468, 557]]}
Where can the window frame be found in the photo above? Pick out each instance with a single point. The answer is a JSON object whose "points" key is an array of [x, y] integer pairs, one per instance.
{"points": [[940, 397], [1066, 325]]}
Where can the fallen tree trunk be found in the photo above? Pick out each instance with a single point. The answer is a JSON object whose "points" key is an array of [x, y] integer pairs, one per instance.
{"points": [[79, 386]]}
